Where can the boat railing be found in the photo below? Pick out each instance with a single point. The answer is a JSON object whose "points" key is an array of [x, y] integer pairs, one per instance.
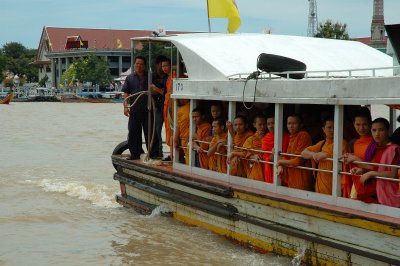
{"points": [[340, 73], [304, 167]]}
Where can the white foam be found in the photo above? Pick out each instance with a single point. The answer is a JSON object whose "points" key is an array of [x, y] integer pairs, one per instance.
{"points": [[98, 194], [158, 211]]}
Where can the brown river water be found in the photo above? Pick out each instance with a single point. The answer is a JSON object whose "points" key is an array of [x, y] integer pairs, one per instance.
{"points": [[57, 194]]}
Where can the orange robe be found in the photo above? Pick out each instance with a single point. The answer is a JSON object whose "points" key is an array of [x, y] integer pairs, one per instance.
{"points": [[168, 112], [323, 182], [298, 178], [267, 144], [183, 121], [203, 131], [360, 146], [217, 162], [255, 169], [240, 169]]}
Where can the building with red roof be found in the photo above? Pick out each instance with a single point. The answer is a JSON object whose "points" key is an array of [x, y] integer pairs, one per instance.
{"points": [[59, 46]]}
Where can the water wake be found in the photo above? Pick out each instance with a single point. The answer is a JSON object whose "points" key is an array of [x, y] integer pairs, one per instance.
{"points": [[98, 194]]}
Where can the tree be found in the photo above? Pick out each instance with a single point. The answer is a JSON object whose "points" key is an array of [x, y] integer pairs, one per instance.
{"points": [[91, 69], [332, 30], [18, 59]]}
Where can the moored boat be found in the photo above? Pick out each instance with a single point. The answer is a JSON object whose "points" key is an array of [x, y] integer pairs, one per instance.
{"points": [[8, 98], [321, 229]]}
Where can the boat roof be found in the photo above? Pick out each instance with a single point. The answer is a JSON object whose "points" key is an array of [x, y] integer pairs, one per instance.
{"points": [[219, 56]]}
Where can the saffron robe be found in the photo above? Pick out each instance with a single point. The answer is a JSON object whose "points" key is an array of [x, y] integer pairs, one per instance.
{"points": [[202, 134], [183, 121], [255, 169], [388, 191], [323, 181], [298, 178], [367, 191], [168, 112], [267, 144], [240, 169], [360, 146], [217, 162]]}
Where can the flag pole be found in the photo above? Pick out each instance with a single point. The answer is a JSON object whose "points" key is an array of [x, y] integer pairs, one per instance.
{"points": [[208, 16]]}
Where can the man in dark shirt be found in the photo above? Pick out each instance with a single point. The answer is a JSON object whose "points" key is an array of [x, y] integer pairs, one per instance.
{"points": [[158, 91], [138, 114]]}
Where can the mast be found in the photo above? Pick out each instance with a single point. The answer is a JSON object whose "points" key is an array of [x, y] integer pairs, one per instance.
{"points": [[312, 18]]}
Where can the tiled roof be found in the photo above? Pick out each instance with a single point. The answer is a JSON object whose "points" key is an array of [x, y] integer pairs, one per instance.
{"points": [[366, 40], [97, 38]]}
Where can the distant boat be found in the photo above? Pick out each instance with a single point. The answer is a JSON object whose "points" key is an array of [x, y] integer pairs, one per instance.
{"points": [[102, 97], [8, 98]]}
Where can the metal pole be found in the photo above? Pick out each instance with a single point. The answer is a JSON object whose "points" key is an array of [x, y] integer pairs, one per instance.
{"points": [[149, 82], [208, 17]]}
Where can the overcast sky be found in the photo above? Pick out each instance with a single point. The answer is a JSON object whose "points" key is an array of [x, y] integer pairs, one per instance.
{"points": [[23, 20]]}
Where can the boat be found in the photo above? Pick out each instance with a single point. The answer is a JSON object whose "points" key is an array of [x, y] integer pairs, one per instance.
{"points": [[314, 228], [101, 97], [8, 98]]}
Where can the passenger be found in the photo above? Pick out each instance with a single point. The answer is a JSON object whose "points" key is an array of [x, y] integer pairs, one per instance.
{"points": [[168, 106], [158, 90], [138, 114], [362, 125], [381, 150], [298, 141], [388, 192], [267, 144], [319, 152], [201, 134], [217, 162], [241, 133], [181, 136], [216, 112], [255, 168]]}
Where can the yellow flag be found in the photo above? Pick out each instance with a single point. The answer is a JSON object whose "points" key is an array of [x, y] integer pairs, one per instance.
{"points": [[225, 9], [119, 44], [80, 43]]}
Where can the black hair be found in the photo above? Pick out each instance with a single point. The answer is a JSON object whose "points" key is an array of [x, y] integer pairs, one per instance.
{"points": [[363, 111], [241, 117], [262, 116], [198, 110], [161, 58], [141, 58], [296, 115], [221, 121], [327, 118], [383, 121]]}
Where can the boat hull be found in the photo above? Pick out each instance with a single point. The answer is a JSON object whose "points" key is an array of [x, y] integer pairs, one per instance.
{"points": [[263, 221], [7, 99]]}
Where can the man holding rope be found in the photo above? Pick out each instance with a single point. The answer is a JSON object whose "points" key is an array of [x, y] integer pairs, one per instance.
{"points": [[136, 83]]}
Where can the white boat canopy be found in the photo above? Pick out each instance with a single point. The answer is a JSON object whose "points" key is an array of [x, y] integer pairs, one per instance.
{"points": [[216, 56]]}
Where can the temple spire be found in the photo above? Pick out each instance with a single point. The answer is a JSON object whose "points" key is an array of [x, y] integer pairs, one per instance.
{"points": [[378, 25]]}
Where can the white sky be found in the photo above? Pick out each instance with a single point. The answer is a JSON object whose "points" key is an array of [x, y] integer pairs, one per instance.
{"points": [[23, 20]]}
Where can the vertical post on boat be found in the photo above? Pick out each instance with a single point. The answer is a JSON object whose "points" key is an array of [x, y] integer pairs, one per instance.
{"points": [[208, 17], [149, 122], [231, 116], [192, 158], [175, 158], [337, 152], [278, 131], [392, 120]]}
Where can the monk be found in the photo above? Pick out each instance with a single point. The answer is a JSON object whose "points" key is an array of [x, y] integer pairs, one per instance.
{"points": [[362, 125], [321, 151], [217, 162], [267, 144], [201, 134], [168, 107], [181, 136], [298, 141], [216, 110], [239, 135], [387, 192], [255, 168], [366, 190]]}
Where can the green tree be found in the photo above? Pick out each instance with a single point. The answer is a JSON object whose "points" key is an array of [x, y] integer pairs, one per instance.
{"points": [[332, 30], [92, 69], [18, 59]]}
